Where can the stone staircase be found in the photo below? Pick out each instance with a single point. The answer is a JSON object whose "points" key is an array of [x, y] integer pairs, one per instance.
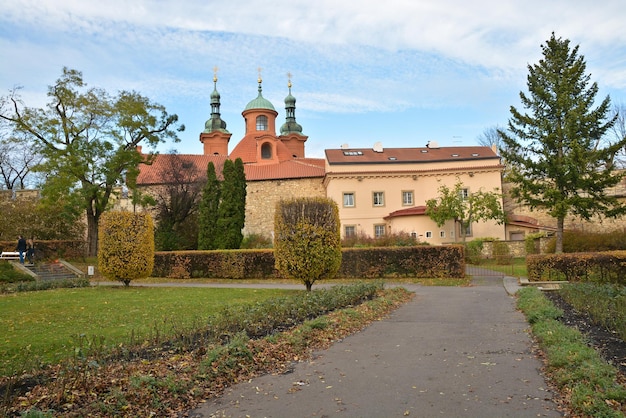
{"points": [[53, 270]]}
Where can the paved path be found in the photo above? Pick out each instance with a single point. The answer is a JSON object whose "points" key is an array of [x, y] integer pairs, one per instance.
{"points": [[451, 352]]}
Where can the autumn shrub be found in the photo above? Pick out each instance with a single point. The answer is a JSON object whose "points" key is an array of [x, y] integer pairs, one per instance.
{"points": [[597, 267], [307, 242], [126, 246], [575, 241]]}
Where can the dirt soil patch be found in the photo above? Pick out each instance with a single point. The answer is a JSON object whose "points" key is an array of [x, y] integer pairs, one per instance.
{"points": [[608, 344]]}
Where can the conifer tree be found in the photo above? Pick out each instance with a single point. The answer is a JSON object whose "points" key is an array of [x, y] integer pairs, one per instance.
{"points": [[554, 148], [231, 212], [208, 212]]}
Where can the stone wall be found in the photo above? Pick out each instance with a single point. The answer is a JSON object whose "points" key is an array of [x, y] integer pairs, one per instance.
{"points": [[262, 196], [596, 224]]}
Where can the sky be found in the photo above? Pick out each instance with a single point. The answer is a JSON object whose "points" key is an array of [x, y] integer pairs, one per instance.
{"points": [[399, 72]]}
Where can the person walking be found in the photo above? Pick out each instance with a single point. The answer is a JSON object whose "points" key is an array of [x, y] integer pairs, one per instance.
{"points": [[21, 248], [30, 249]]}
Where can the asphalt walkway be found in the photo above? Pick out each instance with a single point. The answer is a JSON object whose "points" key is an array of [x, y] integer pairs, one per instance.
{"points": [[450, 352]]}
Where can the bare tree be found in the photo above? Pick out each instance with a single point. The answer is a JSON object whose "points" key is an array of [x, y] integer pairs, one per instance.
{"points": [[177, 204], [17, 160], [490, 138]]}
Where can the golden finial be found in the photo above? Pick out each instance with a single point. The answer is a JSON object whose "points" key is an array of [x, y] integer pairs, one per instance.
{"points": [[215, 69], [260, 79], [289, 79]]}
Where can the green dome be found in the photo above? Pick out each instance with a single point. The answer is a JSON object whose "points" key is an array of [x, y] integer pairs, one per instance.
{"points": [[260, 102]]}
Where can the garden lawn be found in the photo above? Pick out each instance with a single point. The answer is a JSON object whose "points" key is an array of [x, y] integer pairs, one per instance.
{"points": [[48, 326]]}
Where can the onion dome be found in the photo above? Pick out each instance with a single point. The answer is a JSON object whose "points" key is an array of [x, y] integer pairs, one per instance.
{"points": [[290, 125], [260, 102]]}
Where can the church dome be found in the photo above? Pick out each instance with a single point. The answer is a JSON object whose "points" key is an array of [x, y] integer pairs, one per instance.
{"points": [[260, 102]]}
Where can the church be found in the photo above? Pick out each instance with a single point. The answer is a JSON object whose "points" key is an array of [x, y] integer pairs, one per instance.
{"points": [[378, 190]]}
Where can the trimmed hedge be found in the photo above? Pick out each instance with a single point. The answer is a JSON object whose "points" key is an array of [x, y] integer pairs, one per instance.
{"points": [[598, 267], [382, 262]]}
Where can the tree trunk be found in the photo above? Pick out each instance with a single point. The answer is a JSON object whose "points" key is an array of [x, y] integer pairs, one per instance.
{"points": [[92, 235], [559, 235]]}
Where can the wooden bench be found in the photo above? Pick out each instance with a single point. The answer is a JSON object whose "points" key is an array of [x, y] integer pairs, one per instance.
{"points": [[10, 255]]}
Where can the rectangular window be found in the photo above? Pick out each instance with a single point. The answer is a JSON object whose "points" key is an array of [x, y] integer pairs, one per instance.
{"points": [[379, 231], [442, 234], [464, 193], [348, 200], [349, 231], [407, 198], [429, 234], [378, 198]]}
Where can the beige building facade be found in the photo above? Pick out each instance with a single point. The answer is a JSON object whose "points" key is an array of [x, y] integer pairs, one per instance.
{"points": [[383, 191]]}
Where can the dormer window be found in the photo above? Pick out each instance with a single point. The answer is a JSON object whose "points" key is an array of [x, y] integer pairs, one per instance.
{"points": [[261, 123], [266, 151]]}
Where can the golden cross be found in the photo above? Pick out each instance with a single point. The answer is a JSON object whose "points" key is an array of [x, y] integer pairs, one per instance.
{"points": [[215, 69]]}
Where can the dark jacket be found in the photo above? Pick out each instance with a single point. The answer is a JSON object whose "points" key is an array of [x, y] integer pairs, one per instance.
{"points": [[21, 245]]}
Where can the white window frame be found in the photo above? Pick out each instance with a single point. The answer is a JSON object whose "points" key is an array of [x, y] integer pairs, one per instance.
{"points": [[352, 228], [378, 228], [405, 201], [378, 199], [262, 123], [346, 194], [429, 234]]}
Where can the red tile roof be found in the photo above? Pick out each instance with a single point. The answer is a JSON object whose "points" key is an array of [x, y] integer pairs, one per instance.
{"points": [[412, 211], [408, 155], [296, 168], [155, 173]]}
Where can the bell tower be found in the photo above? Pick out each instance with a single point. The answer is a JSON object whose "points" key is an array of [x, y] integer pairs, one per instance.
{"points": [[215, 137]]}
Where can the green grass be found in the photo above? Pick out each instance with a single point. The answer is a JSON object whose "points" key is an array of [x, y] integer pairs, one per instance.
{"points": [[49, 326], [573, 366]]}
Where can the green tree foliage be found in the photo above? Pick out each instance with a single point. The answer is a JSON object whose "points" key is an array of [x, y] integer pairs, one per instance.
{"points": [[453, 204], [177, 206], [89, 140], [232, 208], [307, 241], [553, 149], [126, 246], [208, 212]]}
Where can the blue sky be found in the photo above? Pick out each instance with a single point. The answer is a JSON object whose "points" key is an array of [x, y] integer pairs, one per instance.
{"points": [[400, 72]]}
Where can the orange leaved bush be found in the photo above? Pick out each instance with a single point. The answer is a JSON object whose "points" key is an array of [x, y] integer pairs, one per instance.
{"points": [[126, 245]]}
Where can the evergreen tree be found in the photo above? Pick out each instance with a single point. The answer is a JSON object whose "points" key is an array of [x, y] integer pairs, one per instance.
{"points": [[209, 205], [554, 149], [231, 212]]}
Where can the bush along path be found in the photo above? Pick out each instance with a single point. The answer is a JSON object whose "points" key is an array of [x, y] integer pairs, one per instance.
{"points": [[171, 378]]}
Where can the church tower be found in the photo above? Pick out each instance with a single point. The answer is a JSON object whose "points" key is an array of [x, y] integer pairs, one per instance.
{"points": [[215, 137], [291, 131]]}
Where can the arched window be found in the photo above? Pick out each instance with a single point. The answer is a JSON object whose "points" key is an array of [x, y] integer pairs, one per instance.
{"points": [[266, 151], [261, 123]]}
